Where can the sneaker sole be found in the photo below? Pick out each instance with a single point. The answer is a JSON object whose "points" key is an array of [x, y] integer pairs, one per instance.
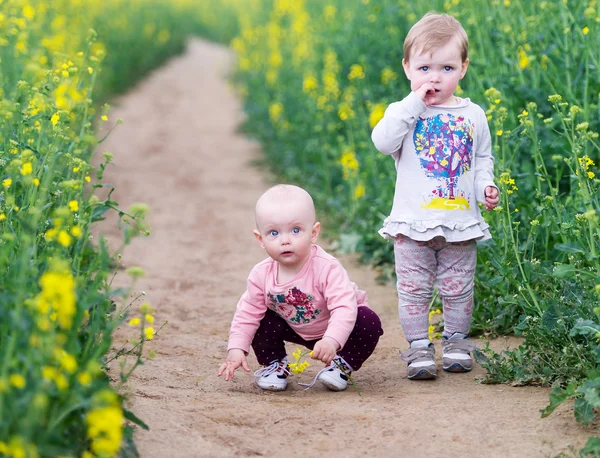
{"points": [[331, 385], [423, 374], [456, 367], [272, 387]]}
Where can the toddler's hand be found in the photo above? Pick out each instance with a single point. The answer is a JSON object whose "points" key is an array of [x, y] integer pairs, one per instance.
{"points": [[492, 197], [325, 350], [426, 93], [235, 359]]}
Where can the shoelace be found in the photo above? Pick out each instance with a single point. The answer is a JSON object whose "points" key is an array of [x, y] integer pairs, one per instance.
{"points": [[341, 365], [274, 366]]}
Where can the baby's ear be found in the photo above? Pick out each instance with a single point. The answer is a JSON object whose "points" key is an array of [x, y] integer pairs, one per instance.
{"points": [[464, 67], [258, 238], [315, 231]]}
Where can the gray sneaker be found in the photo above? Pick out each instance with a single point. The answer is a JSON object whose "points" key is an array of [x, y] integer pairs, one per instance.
{"points": [[456, 353], [421, 363]]}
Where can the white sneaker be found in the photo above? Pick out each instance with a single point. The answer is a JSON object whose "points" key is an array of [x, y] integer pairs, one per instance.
{"points": [[273, 377], [335, 376]]}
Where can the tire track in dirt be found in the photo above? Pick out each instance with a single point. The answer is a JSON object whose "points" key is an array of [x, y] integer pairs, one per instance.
{"points": [[179, 152]]}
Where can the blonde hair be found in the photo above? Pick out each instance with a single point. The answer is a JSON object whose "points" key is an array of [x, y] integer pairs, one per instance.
{"points": [[433, 31]]}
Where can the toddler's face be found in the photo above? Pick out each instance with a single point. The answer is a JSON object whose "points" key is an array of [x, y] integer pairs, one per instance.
{"points": [[286, 230], [443, 69]]}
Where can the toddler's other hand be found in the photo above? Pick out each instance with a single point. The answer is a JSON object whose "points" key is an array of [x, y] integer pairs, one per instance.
{"points": [[426, 93], [235, 359], [325, 350], [492, 197]]}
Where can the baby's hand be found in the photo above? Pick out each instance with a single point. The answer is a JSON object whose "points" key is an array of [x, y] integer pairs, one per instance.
{"points": [[325, 350], [235, 359], [426, 93], [492, 197]]}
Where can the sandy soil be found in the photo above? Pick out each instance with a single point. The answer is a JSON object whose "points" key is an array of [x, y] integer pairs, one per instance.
{"points": [[179, 152]]}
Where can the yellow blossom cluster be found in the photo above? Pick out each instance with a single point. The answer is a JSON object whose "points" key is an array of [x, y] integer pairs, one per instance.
{"points": [[298, 366], [431, 330], [508, 182], [105, 424], [585, 162], [349, 163]]}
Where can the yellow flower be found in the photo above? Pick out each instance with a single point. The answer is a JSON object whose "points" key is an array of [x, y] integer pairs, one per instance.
{"points": [[275, 112], [356, 72], [345, 112], [2, 216], [6, 183], [61, 381], [87, 179], [499, 133], [387, 75], [377, 112], [64, 238], [359, 191], [58, 293], [585, 30], [149, 333], [36, 182], [105, 429], [18, 381], [26, 169], [76, 231], [309, 84], [55, 118], [104, 118], [523, 59], [349, 163], [73, 206], [149, 318], [134, 322], [68, 362], [84, 378]]}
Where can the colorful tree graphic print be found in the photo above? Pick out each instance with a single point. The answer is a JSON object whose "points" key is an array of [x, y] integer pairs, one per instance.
{"points": [[444, 145]]}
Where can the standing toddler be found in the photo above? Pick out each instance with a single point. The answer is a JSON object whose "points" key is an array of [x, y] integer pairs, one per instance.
{"points": [[441, 147]]}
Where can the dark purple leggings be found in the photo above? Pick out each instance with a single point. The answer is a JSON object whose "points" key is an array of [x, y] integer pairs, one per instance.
{"points": [[268, 343]]}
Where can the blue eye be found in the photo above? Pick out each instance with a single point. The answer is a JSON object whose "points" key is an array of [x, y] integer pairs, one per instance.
{"points": [[296, 230], [273, 233], [424, 68], [447, 68]]}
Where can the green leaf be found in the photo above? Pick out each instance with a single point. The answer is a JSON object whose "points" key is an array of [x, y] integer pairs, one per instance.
{"points": [[592, 447], [591, 392], [98, 213], [585, 328], [584, 411], [557, 397], [495, 281], [569, 248], [563, 271], [133, 418]]}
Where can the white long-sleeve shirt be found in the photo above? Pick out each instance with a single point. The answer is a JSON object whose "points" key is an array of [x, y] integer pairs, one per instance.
{"points": [[444, 162]]}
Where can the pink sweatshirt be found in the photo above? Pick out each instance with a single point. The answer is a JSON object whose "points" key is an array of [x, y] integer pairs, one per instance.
{"points": [[320, 301]]}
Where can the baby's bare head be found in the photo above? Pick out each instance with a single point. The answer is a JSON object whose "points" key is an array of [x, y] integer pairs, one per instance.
{"points": [[284, 202]]}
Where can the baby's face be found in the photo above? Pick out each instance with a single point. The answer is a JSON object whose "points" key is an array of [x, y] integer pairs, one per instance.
{"points": [[286, 230], [442, 69]]}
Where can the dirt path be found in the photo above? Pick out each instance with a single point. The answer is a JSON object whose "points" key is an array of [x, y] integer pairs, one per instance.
{"points": [[179, 152]]}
